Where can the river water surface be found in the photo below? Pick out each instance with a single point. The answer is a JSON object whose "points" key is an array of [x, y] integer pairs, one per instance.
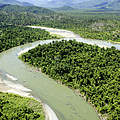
{"points": [[64, 102]]}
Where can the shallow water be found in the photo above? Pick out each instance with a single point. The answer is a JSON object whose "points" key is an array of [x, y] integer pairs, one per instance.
{"points": [[66, 104]]}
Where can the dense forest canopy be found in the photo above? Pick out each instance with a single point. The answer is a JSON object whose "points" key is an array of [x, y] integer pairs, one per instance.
{"points": [[11, 36], [14, 107], [93, 70]]}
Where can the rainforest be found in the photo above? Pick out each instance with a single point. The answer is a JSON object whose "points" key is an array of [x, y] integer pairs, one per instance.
{"points": [[94, 71], [12, 36], [91, 72]]}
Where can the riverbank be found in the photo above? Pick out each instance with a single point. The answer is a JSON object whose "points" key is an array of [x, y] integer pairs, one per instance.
{"points": [[59, 32], [7, 88], [65, 35], [71, 35], [30, 35], [67, 105], [101, 117]]}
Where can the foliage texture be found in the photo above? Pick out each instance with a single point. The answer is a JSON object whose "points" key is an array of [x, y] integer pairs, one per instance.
{"points": [[93, 70]]}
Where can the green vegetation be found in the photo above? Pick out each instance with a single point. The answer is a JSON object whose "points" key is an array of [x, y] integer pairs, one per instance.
{"points": [[101, 26], [94, 71], [12, 33], [14, 107], [90, 24], [18, 15], [11, 36]]}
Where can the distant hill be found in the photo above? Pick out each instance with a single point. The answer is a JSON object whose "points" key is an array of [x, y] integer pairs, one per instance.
{"points": [[26, 4], [79, 4], [100, 4], [64, 8], [21, 15], [53, 3], [29, 9], [15, 2]]}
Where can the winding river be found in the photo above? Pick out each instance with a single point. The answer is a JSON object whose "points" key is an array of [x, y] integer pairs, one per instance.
{"points": [[65, 103]]}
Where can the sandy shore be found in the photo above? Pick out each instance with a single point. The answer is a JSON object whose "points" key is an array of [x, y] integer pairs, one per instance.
{"points": [[12, 88], [61, 32]]}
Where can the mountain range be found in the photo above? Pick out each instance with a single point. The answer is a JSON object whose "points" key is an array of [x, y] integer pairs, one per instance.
{"points": [[64, 4]]}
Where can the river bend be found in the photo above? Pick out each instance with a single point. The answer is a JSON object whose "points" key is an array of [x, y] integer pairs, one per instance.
{"points": [[66, 104]]}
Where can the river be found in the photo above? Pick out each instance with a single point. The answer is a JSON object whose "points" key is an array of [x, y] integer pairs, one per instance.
{"points": [[65, 103]]}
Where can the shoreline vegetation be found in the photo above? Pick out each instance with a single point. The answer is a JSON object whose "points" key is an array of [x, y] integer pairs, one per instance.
{"points": [[17, 107], [80, 33], [90, 26], [61, 72], [70, 30], [12, 36]]}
